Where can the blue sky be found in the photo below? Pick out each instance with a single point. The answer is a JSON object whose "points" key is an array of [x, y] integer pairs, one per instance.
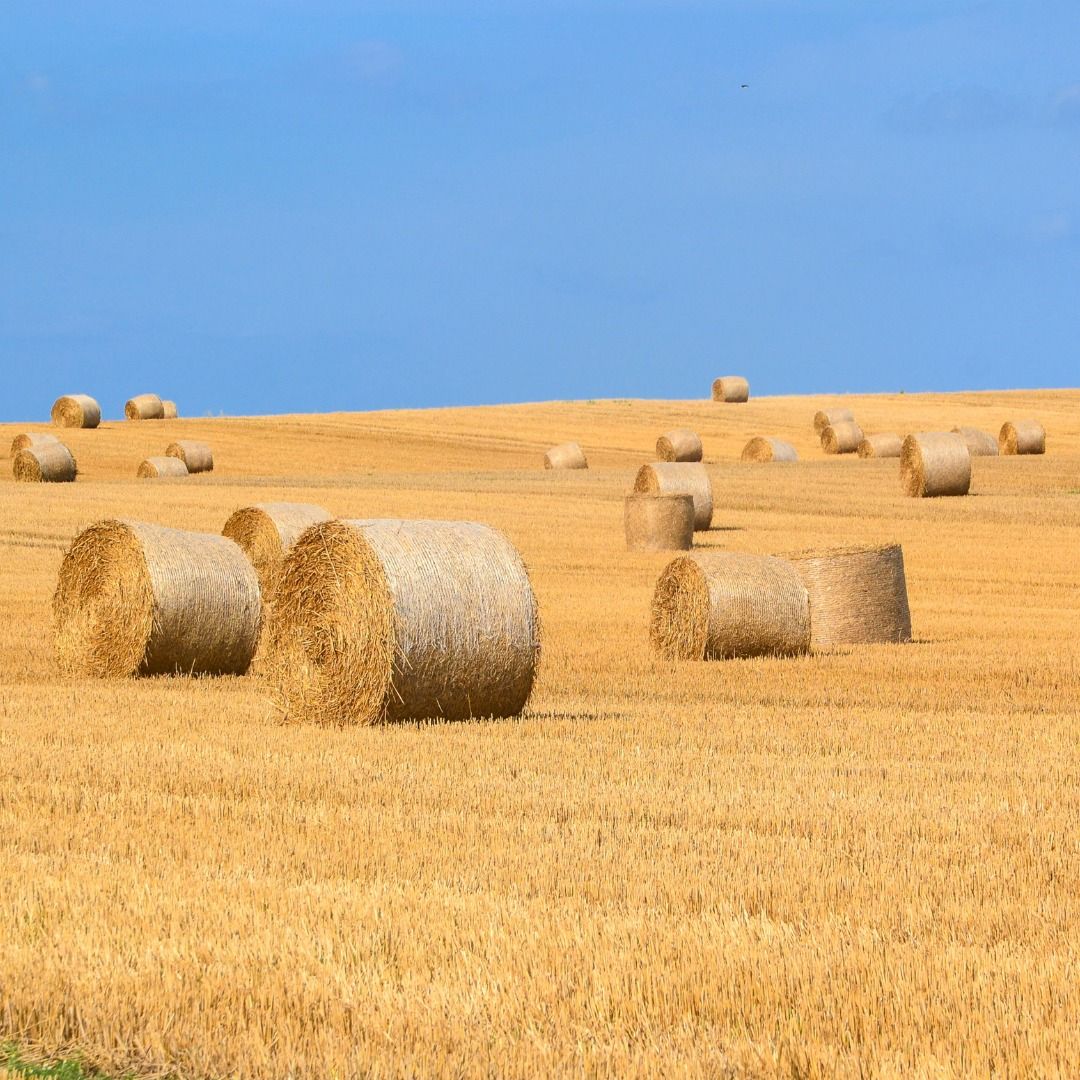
{"points": [[279, 206]]}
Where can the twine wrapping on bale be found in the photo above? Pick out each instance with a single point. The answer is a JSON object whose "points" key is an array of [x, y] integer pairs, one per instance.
{"points": [[168, 410], [886, 444], [76, 410], [768, 448], [935, 463], [28, 440], [137, 599], [659, 522], [197, 456], [842, 438], [858, 595], [731, 388], [154, 467], [144, 407], [50, 463], [565, 456], [394, 620], [1022, 437], [679, 478], [679, 445], [720, 605], [831, 417], [979, 443]]}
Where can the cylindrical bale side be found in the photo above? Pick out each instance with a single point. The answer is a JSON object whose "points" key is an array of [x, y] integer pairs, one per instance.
{"points": [[768, 448], [1022, 437], [50, 463], [168, 410], [883, 445], [565, 456], [76, 410], [153, 467], [842, 438], [979, 443], [679, 478], [679, 445], [28, 440], [138, 599], [935, 463], [720, 605], [824, 418], [144, 407], [731, 388], [659, 522], [197, 456]]}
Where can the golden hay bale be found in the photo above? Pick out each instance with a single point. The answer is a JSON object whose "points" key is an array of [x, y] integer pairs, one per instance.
{"points": [[731, 388], [76, 410], [831, 417], [137, 599], [144, 407], [659, 522], [883, 445], [858, 595], [168, 410], [197, 456], [565, 456], [266, 532], [768, 448], [30, 439], [719, 605], [154, 467], [679, 478], [1022, 437], [50, 463], [979, 443], [935, 463], [841, 438], [394, 620], [679, 445]]}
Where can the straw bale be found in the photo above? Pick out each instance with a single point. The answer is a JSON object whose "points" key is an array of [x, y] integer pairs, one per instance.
{"points": [[731, 388], [30, 439], [197, 456], [565, 456], [50, 463], [138, 599], [659, 522], [144, 407], [824, 418], [979, 443], [935, 463], [1022, 437], [394, 620], [720, 605], [768, 448], [886, 444], [841, 438], [76, 410], [679, 445], [154, 467], [679, 478], [168, 410]]}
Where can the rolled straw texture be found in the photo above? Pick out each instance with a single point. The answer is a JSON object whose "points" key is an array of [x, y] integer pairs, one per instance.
{"points": [[393, 620], [935, 463], [858, 595], [76, 410], [679, 478], [168, 410], [731, 388], [30, 439], [137, 599], [154, 467], [979, 443], [842, 438], [565, 456], [831, 417], [51, 463], [767, 448], [679, 445], [659, 522], [882, 445], [197, 456], [144, 407], [1022, 437], [720, 605]]}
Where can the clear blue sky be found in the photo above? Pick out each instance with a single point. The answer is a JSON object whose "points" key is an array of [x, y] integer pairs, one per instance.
{"points": [[307, 205]]}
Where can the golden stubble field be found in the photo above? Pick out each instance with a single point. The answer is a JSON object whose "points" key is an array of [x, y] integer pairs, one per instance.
{"points": [[859, 863]]}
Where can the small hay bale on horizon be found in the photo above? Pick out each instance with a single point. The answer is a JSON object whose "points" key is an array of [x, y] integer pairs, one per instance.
{"points": [[30, 439], [567, 455], [935, 463], [144, 407], [153, 468], [883, 445], [168, 410], [768, 448], [824, 418], [49, 463], [197, 456], [733, 389], [841, 438], [76, 411], [979, 443], [680, 444], [655, 522], [1022, 437], [679, 478]]}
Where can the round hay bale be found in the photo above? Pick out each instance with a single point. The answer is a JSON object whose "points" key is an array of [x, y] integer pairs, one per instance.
{"points": [[679, 478], [730, 388], [154, 467], [842, 438], [935, 463], [979, 443], [883, 445], [679, 445], [768, 448], [29, 439], [1022, 437], [50, 463], [144, 407], [858, 595], [659, 522], [76, 410], [168, 410], [720, 605], [266, 533], [395, 620], [137, 599], [197, 456], [565, 456], [824, 418]]}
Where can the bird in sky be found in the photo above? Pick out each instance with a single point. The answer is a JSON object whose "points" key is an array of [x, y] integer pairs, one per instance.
{"points": [[745, 86]]}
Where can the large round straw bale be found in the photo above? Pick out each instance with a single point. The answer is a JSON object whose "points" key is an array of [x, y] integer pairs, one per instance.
{"points": [[659, 522], [858, 595], [154, 467], [565, 456], [51, 463], [144, 407], [768, 448], [266, 532], [76, 410], [168, 410], [979, 443], [842, 438], [679, 445], [30, 439], [679, 478], [886, 444], [731, 388], [935, 463], [1022, 437], [197, 456], [397, 620], [824, 418], [136, 599], [716, 605]]}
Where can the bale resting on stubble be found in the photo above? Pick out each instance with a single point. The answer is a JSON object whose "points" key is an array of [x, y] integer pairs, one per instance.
{"points": [[1022, 437], [884, 445], [768, 448], [396, 620], [679, 478], [153, 467], [935, 463], [679, 445], [76, 410], [824, 418], [30, 439], [979, 443], [168, 410], [144, 407], [565, 456], [731, 388], [719, 605], [137, 599], [659, 522], [50, 463], [842, 438], [197, 456]]}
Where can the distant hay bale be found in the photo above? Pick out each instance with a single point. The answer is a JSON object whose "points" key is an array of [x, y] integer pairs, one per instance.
{"points": [[679, 478], [50, 463], [31, 439], [767, 448], [935, 463], [395, 620], [885, 445], [565, 456], [659, 522], [137, 599], [731, 388], [858, 595], [720, 605], [841, 438], [831, 417], [979, 443], [197, 456], [144, 407], [76, 410], [1022, 437], [154, 467], [168, 410], [679, 445]]}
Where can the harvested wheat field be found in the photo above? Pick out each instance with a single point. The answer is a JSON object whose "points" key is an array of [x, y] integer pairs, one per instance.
{"points": [[860, 862]]}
